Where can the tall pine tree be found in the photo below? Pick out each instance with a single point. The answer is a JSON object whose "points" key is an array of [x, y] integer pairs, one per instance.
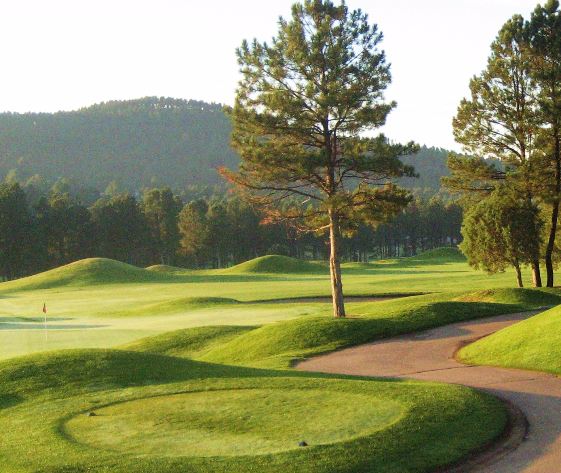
{"points": [[301, 110]]}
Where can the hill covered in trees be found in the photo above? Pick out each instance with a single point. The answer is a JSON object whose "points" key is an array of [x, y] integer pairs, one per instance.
{"points": [[138, 143]]}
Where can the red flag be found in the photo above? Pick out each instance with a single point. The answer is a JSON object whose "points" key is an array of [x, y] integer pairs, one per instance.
{"points": [[44, 308]]}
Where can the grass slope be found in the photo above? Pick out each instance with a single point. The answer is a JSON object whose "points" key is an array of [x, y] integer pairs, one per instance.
{"points": [[533, 344], [163, 414], [280, 344], [86, 272], [102, 303], [277, 264]]}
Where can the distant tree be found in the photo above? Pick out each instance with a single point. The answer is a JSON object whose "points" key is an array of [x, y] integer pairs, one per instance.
{"points": [[219, 233], [246, 235], [120, 229], [193, 229], [35, 187], [161, 209], [15, 231], [65, 228], [300, 110], [502, 231]]}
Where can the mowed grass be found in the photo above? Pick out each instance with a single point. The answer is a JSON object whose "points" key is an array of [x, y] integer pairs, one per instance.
{"points": [[200, 394], [533, 344], [280, 344], [102, 303], [157, 413], [229, 422]]}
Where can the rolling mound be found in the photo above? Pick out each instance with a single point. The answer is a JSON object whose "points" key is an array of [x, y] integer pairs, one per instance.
{"points": [[166, 269], [175, 306], [191, 342], [280, 344], [277, 264], [93, 369], [532, 344], [534, 298], [85, 272]]}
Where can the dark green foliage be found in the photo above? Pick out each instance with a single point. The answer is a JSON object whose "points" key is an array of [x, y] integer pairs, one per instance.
{"points": [[161, 210], [514, 115], [64, 230], [176, 142], [121, 229], [16, 233], [502, 231]]}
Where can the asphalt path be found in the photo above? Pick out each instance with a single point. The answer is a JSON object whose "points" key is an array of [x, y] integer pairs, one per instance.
{"points": [[429, 356]]}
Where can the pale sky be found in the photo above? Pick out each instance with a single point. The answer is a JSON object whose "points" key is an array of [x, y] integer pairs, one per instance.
{"points": [[67, 54]]}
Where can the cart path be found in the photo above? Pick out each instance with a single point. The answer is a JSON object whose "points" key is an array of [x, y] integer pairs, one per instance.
{"points": [[429, 356]]}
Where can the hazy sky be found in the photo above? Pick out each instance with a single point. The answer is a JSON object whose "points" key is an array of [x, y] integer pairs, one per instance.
{"points": [[66, 54]]}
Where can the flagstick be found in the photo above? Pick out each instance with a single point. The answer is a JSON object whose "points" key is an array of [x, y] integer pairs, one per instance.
{"points": [[46, 331]]}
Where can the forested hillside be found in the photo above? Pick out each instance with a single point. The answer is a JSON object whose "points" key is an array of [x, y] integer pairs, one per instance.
{"points": [[138, 143]]}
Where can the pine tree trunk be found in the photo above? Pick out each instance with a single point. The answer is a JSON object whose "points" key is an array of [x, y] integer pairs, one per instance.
{"points": [[518, 275], [536, 274], [554, 216], [335, 267], [551, 244]]}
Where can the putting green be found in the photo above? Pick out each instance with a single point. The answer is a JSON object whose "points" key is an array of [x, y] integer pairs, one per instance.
{"points": [[233, 422]]}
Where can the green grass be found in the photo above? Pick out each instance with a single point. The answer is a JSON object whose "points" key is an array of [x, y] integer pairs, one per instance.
{"points": [[102, 303], [533, 344], [277, 264], [279, 344], [159, 413], [192, 387], [230, 422]]}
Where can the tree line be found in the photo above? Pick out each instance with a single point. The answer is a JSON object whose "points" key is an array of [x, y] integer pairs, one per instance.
{"points": [[40, 232]]}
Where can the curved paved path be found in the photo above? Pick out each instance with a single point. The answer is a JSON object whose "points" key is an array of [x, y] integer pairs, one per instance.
{"points": [[429, 356]]}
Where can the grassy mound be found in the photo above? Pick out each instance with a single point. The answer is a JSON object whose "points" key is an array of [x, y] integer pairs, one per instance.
{"points": [[175, 306], [533, 298], [280, 344], [277, 264], [190, 342], [92, 370], [533, 344], [166, 269], [86, 272], [166, 414]]}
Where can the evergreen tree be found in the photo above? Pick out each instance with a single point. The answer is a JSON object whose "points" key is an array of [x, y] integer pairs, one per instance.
{"points": [[300, 110], [193, 230], [161, 209], [65, 229], [120, 229], [501, 120], [544, 32], [15, 231], [501, 231]]}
